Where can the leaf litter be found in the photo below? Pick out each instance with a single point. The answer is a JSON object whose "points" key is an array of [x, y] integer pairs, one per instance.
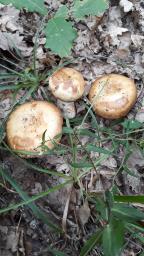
{"points": [[112, 42]]}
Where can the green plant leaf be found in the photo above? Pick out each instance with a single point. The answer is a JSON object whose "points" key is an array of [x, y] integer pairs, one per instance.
{"points": [[9, 87], [93, 148], [113, 238], [82, 165], [62, 12], [7, 75], [67, 130], [82, 8], [131, 124], [101, 207], [79, 132], [126, 212], [90, 243], [60, 36], [55, 252], [138, 236], [135, 226], [87, 132], [130, 199], [30, 5]]}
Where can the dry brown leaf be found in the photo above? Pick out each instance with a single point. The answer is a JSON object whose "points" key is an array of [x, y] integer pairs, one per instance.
{"points": [[127, 5], [11, 41], [137, 40], [9, 19], [5, 253], [136, 158], [37, 188], [12, 240], [114, 32], [140, 115], [84, 213], [134, 162]]}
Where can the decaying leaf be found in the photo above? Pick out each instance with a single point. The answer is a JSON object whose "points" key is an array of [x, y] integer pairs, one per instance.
{"points": [[37, 188], [127, 5], [9, 19], [11, 41], [140, 115], [114, 32], [136, 158], [137, 40], [134, 162], [5, 253], [84, 213], [12, 241]]}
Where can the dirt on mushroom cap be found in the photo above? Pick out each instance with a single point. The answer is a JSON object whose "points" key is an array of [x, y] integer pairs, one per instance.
{"points": [[112, 96], [28, 122], [67, 84]]}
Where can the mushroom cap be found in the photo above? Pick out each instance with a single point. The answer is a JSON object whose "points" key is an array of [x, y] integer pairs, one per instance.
{"points": [[67, 84], [112, 96], [28, 123]]}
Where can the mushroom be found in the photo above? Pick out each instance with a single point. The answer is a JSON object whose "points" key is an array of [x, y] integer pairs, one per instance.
{"points": [[67, 84], [112, 96], [30, 122]]}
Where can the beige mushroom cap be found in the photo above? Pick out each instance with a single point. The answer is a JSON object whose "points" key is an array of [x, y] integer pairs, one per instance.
{"points": [[67, 84], [27, 124], [112, 96]]}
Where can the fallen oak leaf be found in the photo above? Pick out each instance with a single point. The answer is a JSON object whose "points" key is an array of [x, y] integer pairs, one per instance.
{"points": [[84, 213]]}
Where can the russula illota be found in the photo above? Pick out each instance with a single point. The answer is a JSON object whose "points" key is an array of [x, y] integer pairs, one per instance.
{"points": [[112, 96], [67, 84], [29, 121]]}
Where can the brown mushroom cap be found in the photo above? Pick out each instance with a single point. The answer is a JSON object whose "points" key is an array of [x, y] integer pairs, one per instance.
{"points": [[67, 84], [112, 96], [28, 122]]}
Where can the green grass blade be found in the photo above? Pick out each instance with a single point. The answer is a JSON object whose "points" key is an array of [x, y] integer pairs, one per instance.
{"points": [[29, 201], [82, 165], [129, 199], [90, 243], [9, 87], [125, 212], [27, 95], [33, 166], [135, 226], [7, 75], [37, 168], [92, 148], [32, 199], [12, 71], [113, 238]]}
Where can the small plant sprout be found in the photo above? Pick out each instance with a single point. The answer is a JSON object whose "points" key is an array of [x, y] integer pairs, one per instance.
{"points": [[29, 122], [112, 96], [67, 84]]}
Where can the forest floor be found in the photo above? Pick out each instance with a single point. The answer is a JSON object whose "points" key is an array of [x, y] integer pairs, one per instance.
{"points": [[111, 43]]}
